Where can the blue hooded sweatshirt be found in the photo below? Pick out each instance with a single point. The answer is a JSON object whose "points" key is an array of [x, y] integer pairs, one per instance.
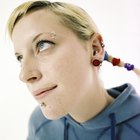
{"points": [[119, 121]]}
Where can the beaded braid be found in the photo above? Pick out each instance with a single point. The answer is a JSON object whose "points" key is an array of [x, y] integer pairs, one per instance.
{"points": [[118, 62]]}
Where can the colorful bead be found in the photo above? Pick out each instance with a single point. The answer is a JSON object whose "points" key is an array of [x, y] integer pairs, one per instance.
{"points": [[115, 61], [106, 56], [96, 62], [128, 66]]}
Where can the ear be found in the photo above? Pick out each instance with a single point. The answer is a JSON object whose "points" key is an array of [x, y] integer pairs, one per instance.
{"points": [[97, 47]]}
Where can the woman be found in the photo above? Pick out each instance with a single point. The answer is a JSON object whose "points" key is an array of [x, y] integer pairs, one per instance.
{"points": [[61, 50]]}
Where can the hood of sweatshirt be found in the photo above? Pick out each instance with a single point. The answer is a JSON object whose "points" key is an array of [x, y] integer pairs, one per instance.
{"points": [[125, 106]]}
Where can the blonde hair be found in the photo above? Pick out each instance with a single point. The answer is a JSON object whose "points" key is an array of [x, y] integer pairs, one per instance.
{"points": [[70, 15]]}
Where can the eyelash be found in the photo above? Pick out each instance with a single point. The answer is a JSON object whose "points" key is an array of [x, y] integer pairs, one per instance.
{"points": [[40, 42], [19, 58]]}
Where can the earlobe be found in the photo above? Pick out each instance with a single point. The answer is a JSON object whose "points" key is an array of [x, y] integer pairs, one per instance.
{"points": [[96, 59]]}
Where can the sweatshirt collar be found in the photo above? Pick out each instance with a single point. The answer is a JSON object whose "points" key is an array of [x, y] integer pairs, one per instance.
{"points": [[125, 106]]}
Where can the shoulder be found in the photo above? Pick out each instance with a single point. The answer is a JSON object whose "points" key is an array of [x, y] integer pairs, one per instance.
{"points": [[38, 124], [36, 120], [131, 129], [134, 123]]}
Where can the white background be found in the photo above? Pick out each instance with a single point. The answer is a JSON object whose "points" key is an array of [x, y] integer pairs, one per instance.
{"points": [[119, 23]]}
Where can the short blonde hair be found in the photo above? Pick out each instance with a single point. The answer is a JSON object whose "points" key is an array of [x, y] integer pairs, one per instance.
{"points": [[70, 15]]}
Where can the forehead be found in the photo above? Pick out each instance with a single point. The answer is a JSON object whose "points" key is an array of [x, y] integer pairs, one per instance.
{"points": [[37, 22]]}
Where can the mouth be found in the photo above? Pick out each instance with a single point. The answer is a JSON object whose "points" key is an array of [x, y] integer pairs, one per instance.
{"points": [[41, 93]]}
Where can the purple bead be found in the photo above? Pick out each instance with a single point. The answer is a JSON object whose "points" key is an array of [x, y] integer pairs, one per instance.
{"points": [[128, 66]]}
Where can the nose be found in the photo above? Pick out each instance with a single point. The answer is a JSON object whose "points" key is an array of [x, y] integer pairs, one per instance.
{"points": [[29, 74]]}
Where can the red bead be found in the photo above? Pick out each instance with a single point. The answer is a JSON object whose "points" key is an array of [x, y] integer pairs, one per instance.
{"points": [[115, 61], [96, 62]]}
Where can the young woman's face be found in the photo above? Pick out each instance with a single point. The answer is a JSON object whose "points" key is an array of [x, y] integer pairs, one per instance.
{"points": [[55, 64]]}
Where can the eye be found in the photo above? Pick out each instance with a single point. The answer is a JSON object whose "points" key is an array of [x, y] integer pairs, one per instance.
{"points": [[19, 58], [44, 45]]}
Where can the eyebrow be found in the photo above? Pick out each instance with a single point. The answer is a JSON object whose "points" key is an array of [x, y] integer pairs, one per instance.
{"points": [[36, 37], [16, 54], [52, 34]]}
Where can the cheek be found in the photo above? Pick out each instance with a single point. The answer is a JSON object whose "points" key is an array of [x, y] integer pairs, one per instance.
{"points": [[72, 71], [75, 80]]}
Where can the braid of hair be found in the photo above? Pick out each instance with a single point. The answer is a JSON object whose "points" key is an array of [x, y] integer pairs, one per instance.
{"points": [[118, 62]]}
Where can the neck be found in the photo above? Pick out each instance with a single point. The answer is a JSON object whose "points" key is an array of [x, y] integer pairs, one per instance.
{"points": [[91, 106]]}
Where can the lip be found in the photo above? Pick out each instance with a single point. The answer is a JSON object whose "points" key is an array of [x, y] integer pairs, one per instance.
{"points": [[41, 93]]}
